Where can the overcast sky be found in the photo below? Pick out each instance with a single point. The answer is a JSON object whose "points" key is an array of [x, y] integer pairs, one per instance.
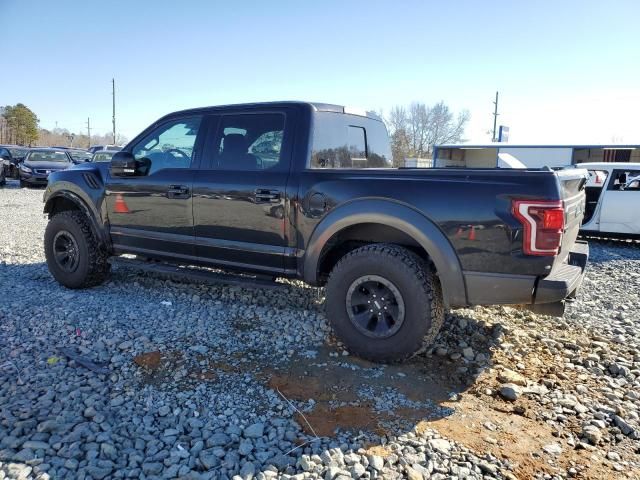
{"points": [[567, 71]]}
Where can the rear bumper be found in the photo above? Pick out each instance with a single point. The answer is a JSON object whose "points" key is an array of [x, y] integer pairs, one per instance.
{"points": [[565, 280], [540, 294]]}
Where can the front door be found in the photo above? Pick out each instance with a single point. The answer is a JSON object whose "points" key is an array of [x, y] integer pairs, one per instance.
{"points": [[620, 203], [152, 215], [240, 192]]}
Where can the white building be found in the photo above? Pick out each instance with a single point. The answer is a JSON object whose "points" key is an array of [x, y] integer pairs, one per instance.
{"points": [[532, 156]]}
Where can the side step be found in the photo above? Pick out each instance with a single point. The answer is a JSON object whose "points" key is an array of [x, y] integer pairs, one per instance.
{"points": [[198, 275]]}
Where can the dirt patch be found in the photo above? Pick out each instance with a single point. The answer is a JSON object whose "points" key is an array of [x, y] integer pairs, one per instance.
{"points": [[149, 360], [515, 438], [345, 390], [325, 420]]}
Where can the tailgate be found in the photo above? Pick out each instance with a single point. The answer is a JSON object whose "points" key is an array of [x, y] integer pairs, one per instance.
{"points": [[572, 191]]}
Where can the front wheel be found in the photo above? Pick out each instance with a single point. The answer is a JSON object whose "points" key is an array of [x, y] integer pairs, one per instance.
{"points": [[73, 254], [384, 302]]}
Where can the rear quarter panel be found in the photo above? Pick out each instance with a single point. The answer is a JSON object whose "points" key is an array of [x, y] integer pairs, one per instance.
{"points": [[472, 208]]}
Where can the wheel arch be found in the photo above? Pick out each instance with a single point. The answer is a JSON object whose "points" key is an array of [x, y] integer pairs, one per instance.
{"points": [[395, 223], [63, 200]]}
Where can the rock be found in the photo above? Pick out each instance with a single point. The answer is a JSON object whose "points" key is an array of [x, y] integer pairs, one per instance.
{"points": [[468, 353], [152, 468], [247, 471], [36, 445], [218, 439], [254, 431], [201, 349], [306, 464], [164, 410], [592, 434], [376, 462], [357, 470], [509, 391], [624, 427], [245, 448], [99, 472], [509, 376], [209, 459], [413, 474], [553, 449], [440, 445], [108, 451]]}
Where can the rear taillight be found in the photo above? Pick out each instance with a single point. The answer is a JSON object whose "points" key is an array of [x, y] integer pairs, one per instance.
{"points": [[543, 223]]}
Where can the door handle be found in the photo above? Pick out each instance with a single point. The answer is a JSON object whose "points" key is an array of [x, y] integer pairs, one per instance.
{"points": [[264, 195], [178, 191]]}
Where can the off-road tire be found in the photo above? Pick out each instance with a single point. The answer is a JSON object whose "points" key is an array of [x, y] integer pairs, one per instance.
{"points": [[421, 292], [3, 178], [92, 268]]}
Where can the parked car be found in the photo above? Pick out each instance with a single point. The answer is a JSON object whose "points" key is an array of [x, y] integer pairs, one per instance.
{"points": [[79, 156], [10, 158], [613, 193], [103, 156], [40, 163], [98, 148], [394, 247]]}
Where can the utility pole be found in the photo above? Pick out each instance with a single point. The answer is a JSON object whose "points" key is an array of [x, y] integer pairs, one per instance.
{"points": [[89, 132], [113, 90], [495, 119]]}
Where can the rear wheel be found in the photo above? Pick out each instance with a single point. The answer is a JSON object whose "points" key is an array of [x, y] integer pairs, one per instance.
{"points": [[384, 302], [23, 184], [3, 178], [74, 256]]}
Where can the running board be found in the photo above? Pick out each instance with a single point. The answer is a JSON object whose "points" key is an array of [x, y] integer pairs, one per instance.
{"points": [[197, 275]]}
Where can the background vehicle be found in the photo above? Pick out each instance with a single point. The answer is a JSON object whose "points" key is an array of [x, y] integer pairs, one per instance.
{"points": [[79, 155], [40, 163], [10, 158], [613, 199], [103, 156], [98, 148], [394, 247]]}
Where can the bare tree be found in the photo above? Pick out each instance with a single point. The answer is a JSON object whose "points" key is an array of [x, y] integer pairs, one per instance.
{"points": [[416, 129]]}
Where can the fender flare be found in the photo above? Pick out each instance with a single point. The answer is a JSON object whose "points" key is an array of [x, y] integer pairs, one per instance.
{"points": [[83, 207], [401, 217]]}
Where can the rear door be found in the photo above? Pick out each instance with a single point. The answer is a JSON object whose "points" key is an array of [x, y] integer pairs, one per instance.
{"points": [[240, 193], [620, 203], [152, 214]]}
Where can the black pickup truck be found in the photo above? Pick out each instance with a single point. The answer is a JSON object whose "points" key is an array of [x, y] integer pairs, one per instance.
{"points": [[308, 191]]}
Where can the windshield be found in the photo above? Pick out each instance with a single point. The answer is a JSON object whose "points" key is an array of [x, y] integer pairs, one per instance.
{"points": [[103, 156], [47, 156], [84, 156], [18, 152]]}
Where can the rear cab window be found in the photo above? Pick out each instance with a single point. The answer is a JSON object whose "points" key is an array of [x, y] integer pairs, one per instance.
{"points": [[344, 141]]}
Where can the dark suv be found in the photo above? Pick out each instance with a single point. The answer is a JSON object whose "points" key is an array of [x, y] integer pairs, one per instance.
{"points": [[308, 191], [10, 158]]}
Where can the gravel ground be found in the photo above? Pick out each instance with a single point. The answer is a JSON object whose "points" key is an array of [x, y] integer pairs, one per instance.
{"points": [[145, 377]]}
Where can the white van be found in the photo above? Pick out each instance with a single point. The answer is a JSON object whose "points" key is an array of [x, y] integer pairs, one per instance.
{"points": [[613, 199]]}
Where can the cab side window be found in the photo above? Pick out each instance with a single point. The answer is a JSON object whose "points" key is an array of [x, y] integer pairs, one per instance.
{"points": [[171, 145], [625, 180], [249, 142]]}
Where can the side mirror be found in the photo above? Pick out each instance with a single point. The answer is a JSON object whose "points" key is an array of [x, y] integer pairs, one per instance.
{"points": [[124, 164]]}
